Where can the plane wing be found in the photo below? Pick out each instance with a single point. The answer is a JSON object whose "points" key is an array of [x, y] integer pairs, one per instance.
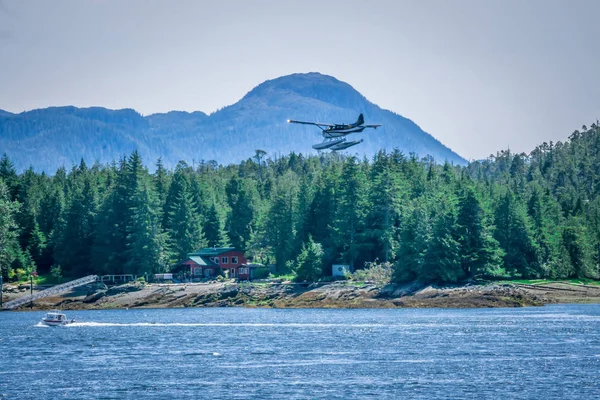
{"points": [[291, 121], [372, 126]]}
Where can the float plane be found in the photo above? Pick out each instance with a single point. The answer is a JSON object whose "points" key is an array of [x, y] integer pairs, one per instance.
{"points": [[334, 134]]}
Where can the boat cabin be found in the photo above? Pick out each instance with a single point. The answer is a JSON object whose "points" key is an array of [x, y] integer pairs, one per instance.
{"points": [[55, 316]]}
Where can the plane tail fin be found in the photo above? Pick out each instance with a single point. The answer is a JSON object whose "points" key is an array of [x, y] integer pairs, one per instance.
{"points": [[361, 120]]}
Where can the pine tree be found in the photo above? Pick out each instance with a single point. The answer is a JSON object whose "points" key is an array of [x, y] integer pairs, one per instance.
{"points": [[571, 241], [146, 243], [480, 255], [540, 233], [350, 213], [37, 249], [8, 174], [512, 233], [73, 246], [382, 220], [112, 222], [280, 221], [8, 230], [185, 231], [52, 208], [309, 262], [303, 214], [442, 259], [414, 241], [322, 214], [215, 233], [240, 221], [200, 195], [180, 178], [161, 184]]}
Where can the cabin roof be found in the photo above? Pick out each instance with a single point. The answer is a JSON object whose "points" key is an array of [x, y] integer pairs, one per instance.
{"points": [[203, 261], [211, 251]]}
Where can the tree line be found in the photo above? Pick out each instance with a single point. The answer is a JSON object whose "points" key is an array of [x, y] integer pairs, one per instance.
{"points": [[533, 215]]}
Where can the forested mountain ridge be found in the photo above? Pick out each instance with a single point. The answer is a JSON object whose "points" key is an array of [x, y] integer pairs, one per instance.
{"points": [[60, 136], [531, 215]]}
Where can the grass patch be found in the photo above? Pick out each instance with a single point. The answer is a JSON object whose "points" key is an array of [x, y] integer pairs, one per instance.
{"points": [[46, 279], [583, 281], [530, 281], [356, 283], [286, 277]]}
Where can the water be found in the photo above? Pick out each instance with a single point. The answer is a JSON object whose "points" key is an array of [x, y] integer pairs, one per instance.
{"points": [[532, 353]]}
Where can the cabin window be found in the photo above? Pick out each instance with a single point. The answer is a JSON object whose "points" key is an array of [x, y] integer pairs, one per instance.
{"points": [[234, 260], [216, 260], [224, 260]]}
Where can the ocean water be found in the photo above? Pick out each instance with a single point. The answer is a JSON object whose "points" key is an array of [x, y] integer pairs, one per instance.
{"points": [[551, 352]]}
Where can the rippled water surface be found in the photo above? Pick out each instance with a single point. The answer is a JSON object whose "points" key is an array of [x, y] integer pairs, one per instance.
{"points": [[533, 353]]}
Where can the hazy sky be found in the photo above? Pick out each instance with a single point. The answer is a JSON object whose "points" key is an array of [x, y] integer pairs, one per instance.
{"points": [[479, 75]]}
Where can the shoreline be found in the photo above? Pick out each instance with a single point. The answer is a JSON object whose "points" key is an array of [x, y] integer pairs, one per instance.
{"points": [[341, 294]]}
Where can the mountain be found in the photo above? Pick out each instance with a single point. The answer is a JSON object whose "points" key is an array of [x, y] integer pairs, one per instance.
{"points": [[51, 137]]}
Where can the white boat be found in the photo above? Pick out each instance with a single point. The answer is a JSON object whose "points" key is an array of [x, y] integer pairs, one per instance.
{"points": [[56, 318]]}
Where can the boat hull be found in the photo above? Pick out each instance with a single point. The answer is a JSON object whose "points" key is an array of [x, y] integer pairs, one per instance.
{"points": [[54, 323]]}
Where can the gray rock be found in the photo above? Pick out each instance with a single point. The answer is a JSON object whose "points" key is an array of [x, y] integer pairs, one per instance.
{"points": [[127, 288], [228, 292], [94, 297]]}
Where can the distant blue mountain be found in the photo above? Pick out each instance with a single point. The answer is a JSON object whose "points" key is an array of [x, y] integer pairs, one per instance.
{"points": [[56, 136]]}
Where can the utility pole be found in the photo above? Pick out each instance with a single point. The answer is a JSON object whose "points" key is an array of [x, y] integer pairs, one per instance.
{"points": [[31, 291]]}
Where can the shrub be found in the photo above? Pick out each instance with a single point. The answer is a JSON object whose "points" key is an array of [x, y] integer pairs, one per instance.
{"points": [[56, 272], [380, 273], [21, 274]]}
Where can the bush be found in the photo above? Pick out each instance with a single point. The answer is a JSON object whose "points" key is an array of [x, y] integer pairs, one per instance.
{"points": [[141, 279], [374, 272], [21, 274], [56, 272]]}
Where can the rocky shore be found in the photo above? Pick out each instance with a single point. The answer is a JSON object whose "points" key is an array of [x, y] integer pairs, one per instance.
{"points": [[317, 295]]}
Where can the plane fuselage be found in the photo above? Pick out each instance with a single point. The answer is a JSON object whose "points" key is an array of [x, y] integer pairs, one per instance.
{"points": [[342, 130]]}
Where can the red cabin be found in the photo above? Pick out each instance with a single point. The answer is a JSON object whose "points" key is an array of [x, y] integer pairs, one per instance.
{"points": [[207, 263]]}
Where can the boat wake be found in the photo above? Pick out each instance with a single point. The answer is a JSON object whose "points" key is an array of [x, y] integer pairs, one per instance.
{"points": [[159, 324]]}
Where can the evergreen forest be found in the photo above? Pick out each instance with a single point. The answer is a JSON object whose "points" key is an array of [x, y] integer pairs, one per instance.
{"points": [[510, 216]]}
